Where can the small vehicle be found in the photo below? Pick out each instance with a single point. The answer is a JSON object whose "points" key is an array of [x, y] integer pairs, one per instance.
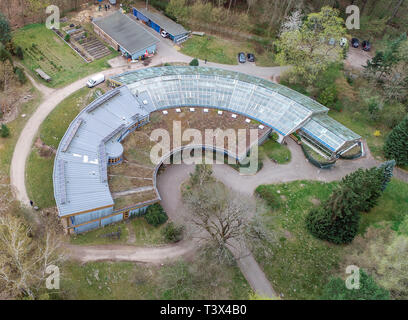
{"points": [[355, 42], [343, 42], [250, 57], [366, 45], [164, 34], [95, 80], [241, 57]]}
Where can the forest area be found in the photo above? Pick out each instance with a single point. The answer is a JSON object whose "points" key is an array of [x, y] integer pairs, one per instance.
{"points": [[263, 17]]}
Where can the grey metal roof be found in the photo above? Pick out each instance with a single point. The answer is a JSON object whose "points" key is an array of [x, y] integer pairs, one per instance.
{"points": [[80, 168], [165, 23], [128, 33]]}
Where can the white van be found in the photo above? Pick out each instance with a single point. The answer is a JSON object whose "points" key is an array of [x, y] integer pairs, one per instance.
{"points": [[95, 80]]}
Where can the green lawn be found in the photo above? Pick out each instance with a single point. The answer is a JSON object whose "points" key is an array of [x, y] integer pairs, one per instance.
{"points": [[44, 49], [7, 144], [302, 264], [276, 151], [199, 279], [39, 179], [146, 234]]}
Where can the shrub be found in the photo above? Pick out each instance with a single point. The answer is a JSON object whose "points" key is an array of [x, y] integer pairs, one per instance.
{"points": [[155, 215], [20, 75], [396, 144], [4, 131], [172, 232], [369, 290], [67, 37], [194, 63], [269, 195]]}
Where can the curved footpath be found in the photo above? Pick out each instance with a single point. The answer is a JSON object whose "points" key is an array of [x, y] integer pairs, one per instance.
{"points": [[299, 168]]}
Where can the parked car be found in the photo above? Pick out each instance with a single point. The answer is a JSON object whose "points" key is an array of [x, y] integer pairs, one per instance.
{"points": [[355, 42], [164, 34], [95, 80], [366, 45], [343, 42], [241, 57], [250, 57]]}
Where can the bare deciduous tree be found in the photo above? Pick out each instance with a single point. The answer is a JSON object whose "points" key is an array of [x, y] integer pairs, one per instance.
{"points": [[224, 219]]}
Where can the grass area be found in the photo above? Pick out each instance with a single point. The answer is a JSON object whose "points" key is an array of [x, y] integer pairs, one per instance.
{"points": [[146, 234], [225, 51], [351, 104], [276, 151], [302, 264], [211, 48], [200, 279], [56, 124], [39, 179], [134, 199], [44, 49], [95, 237]]}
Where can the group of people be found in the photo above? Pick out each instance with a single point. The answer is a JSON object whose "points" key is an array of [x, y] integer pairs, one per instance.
{"points": [[107, 7]]}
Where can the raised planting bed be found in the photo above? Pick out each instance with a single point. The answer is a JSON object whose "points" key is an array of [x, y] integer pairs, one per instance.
{"points": [[316, 159]]}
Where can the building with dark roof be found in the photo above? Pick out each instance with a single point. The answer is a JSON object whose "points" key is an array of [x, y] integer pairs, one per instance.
{"points": [[159, 22], [125, 35]]}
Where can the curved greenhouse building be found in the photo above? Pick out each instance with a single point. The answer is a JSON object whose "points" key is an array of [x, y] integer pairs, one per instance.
{"points": [[93, 140]]}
